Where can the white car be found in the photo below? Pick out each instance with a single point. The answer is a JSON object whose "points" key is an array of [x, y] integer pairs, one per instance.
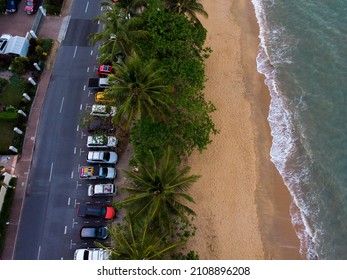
{"points": [[102, 190], [4, 39], [103, 110], [102, 157], [101, 141]]}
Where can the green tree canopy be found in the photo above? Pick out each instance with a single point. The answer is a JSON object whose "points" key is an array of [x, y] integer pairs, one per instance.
{"points": [[158, 191]]}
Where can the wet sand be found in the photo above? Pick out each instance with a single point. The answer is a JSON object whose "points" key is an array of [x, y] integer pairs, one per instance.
{"points": [[242, 204]]}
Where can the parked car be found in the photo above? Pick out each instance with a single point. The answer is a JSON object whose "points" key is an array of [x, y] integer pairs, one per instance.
{"points": [[11, 6], [100, 97], [97, 172], [31, 6], [105, 70], [102, 157], [96, 211], [102, 190], [94, 232], [89, 254], [103, 110], [101, 141], [4, 39]]}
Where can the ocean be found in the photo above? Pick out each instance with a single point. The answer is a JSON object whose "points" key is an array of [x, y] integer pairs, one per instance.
{"points": [[303, 55]]}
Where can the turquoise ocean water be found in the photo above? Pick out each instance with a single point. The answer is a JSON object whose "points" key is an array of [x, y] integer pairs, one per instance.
{"points": [[303, 55]]}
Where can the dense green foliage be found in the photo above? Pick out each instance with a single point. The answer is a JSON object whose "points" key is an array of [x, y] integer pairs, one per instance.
{"points": [[138, 91], [158, 91], [53, 7], [158, 190], [135, 240]]}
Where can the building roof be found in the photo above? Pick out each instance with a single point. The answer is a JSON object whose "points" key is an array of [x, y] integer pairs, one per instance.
{"points": [[18, 46]]}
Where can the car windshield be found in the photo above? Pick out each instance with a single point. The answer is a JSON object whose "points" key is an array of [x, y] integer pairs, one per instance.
{"points": [[103, 172], [107, 156], [3, 44], [103, 211]]}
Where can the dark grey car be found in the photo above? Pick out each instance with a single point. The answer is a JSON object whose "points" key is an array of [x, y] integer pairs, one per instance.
{"points": [[94, 232]]}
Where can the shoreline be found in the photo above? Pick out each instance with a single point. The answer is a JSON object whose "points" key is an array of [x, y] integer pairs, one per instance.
{"points": [[248, 218]]}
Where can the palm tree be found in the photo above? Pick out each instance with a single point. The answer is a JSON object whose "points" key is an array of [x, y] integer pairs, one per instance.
{"points": [[138, 90], [189, 7], [119, 35], [135, 240], [131, 8], [157, 191]]}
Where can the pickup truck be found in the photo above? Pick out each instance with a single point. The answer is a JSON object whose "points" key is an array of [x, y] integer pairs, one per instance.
{"points": [[102, 190], [96, 211], [97, 172], [91, 254], [98, 83]]}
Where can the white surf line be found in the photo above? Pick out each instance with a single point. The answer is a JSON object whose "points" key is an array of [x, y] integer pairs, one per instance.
{"points": [[38, 253], [65, 230], [50, 174], [69, 201], [74, 54], [61, 105], [85, 11]]}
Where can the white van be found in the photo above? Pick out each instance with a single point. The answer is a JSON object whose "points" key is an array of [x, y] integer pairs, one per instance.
{"points": [[91, 254], [103, 110], [101, 141]]}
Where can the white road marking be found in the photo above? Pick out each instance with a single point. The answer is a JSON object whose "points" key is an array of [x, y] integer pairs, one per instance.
{"points": [[65, 229], [38, 253], [61, 105], [85, 11], [50, 174], [74, 54]]}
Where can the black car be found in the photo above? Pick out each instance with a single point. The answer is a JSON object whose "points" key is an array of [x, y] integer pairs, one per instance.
{"points": [[11, 6], [94, 232]]}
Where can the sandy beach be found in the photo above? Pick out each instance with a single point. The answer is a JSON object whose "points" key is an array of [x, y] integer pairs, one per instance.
{"points": [[242, 204]]}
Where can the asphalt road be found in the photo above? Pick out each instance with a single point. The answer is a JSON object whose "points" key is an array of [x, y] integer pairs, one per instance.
{"points": [[49, 228]]}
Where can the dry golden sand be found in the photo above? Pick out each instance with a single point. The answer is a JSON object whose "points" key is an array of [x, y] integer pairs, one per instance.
{"points": [[242, 205]]}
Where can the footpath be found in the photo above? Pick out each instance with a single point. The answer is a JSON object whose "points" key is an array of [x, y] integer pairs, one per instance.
{"points": [[20, 164]]}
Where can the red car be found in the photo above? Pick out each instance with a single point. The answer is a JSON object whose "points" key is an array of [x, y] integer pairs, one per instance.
{"points": [[31, 6], [96, 211], [104, 70]]}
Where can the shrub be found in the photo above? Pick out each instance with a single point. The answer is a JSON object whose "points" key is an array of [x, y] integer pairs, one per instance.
{"points": [[20, 65], [5, 61], [3, 83], [8, 116], [53, 7]]}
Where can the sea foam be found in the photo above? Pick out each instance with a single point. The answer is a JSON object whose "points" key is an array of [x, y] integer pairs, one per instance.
{"points": [[284, 152]]}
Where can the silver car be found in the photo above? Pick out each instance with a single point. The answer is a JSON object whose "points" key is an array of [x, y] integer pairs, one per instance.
{"points": [[102, 157]]}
